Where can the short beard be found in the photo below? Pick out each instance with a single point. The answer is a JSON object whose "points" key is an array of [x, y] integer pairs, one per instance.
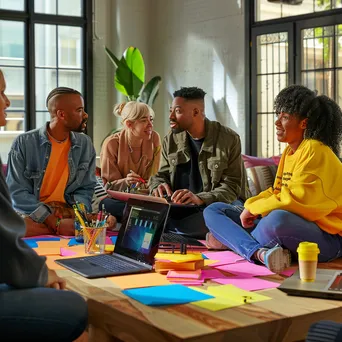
{"points": [[177, 130], [80, 129]]}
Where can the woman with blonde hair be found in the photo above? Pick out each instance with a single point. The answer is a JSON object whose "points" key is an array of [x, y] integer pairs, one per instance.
{"points": [[132, 155]]}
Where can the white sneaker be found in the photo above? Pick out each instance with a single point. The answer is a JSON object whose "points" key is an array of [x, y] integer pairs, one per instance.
{"points": [[277, 259]]}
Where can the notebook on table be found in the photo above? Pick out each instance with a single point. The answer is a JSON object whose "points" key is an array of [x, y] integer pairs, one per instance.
{"points": [[141, 229], [328, 285]]}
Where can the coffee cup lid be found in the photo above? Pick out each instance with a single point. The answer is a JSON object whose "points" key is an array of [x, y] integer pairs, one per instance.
{"points": [[308, 247]]}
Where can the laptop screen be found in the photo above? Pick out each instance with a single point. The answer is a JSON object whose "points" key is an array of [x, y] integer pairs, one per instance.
{"points": [[141, 229]]}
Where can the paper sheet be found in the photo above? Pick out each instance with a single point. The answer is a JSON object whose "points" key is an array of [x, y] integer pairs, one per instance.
{"points": [[245, 269], [139, 280], [167, 294], [52, 244], [247, 283], [184, 274], [234, 293], [179, 258], [67, 252]]}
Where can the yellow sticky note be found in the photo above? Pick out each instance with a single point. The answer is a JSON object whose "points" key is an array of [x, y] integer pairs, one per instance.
{"points": [[234, 293], [139, 280], [215, 304], [208, 262], [176, 257]]}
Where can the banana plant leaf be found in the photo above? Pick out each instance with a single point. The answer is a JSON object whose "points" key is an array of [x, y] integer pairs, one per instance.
{"points": [[150, 91], [112, 57], [130, 74]]}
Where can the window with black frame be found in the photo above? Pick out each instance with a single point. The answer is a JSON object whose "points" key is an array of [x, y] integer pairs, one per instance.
{"points": [[43, 44], [293, 42]]}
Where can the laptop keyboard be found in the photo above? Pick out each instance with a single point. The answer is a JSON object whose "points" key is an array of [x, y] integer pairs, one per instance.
{"points": [[111, 263], [177, 238]]}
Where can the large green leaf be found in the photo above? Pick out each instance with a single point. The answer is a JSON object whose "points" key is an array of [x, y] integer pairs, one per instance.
{"points": [[112, 57], [130, 74], [150, 91]]}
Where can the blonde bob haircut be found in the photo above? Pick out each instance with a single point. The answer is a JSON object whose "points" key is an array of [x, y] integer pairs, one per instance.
{"points": [[133, 111]]}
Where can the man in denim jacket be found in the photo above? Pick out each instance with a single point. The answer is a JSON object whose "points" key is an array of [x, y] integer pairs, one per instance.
{"points": [[52, 167], [201, 164]]}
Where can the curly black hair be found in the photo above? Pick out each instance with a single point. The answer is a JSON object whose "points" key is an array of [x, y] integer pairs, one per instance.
{"points": [[324, 115], [190, 93]]}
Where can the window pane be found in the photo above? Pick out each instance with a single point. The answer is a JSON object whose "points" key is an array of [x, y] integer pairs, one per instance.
{"points": [[14, 77], [266, 9], [45, 45], [15, 5], [339, 45], [70, 7], [339, 87], [272, 52], [45, 6], [69, 47], [11, 43], [71, 79], [42, 118], [46, 80]]}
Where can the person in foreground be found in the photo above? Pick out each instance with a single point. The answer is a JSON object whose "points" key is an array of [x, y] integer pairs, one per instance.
{"points": [[130, 156], [52, 167], [305, 202], [201, 164], [32, 305]]}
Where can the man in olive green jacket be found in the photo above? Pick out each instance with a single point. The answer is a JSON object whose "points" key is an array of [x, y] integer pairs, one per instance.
{"points": [[201, 162]]}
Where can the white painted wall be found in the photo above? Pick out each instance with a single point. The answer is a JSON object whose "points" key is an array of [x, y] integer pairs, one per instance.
{"points": [[186, 42]]}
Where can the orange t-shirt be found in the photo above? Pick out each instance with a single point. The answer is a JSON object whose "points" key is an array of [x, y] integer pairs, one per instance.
{"points": [[56, 173]]}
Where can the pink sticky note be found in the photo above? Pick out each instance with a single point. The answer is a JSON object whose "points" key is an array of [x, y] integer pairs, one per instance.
{"points": [[184, 274], [190, 282], [288, 273], [108, 241], [247, 283], [224, 255], [67, 252], [210, 274], [246, 269]]}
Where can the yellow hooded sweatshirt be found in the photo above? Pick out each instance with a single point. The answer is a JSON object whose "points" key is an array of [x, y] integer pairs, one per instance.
{"points": [[308, 183]]}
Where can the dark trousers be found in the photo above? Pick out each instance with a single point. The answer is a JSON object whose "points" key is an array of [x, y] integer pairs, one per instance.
{"points": [[186, 220]]}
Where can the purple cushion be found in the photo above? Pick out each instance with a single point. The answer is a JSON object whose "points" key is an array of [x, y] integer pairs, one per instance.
{"points": [[251, 161]]}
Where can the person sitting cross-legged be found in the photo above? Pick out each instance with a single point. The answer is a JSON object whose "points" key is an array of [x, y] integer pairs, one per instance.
{"points": [[305, 202], [52, 167]]}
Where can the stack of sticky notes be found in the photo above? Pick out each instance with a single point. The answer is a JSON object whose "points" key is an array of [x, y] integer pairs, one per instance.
{"points": [[166, 262], [185, 277]]}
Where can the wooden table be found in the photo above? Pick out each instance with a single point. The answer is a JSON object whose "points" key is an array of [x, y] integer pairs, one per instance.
{"points": [[115, 317]]}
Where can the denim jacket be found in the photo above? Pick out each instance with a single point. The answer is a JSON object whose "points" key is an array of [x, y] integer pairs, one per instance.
{"points": [[27, 162], [220, 164]]}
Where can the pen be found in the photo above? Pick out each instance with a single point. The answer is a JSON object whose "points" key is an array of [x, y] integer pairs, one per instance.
{"points": [[140, 179]]}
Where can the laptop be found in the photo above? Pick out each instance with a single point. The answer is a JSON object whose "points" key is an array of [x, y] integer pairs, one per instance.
{"points": [[328, 285], [141, 229]]}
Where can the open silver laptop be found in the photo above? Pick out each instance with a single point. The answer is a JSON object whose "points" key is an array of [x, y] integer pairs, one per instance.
{"points": [[137, 243], [328, 284]]}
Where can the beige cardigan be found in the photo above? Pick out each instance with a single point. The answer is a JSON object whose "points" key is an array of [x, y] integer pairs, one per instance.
{"points": [[116, 159]]}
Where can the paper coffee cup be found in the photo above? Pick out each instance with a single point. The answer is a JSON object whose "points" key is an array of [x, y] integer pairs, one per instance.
{"points": [[307, 260]]}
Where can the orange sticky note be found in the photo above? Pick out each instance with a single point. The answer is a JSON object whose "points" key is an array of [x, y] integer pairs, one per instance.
{"points": [[139, 280], [50, 244], [48, 251]]}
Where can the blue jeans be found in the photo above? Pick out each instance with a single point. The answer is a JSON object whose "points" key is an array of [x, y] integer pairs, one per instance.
{"points": [[278, 227], [41, 314]]}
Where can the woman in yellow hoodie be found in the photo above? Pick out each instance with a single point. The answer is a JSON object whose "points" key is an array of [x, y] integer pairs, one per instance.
{"points": [[305, 202]]}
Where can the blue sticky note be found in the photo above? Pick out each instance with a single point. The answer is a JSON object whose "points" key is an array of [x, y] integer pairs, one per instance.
{"points": [[113, 238], [47, 239], [32, 243], [73, 242], [166, 295], [204, 256]]}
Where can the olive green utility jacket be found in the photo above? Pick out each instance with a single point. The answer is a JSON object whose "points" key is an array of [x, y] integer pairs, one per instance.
{"points": [[220, 164]]}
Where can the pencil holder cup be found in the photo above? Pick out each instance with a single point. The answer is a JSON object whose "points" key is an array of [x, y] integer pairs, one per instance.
{"points": [[94, 239]]}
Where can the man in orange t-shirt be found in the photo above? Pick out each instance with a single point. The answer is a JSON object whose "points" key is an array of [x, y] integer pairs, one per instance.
{"points": [[52, 167]]}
